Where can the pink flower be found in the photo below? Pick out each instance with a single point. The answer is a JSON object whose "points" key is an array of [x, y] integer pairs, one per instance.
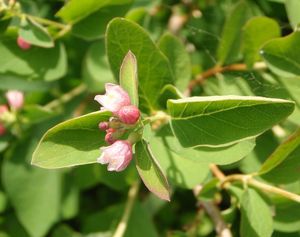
{"points": [[15, 99], [23, 44], [129, 114], [2, 130], [114, 99], [117, 155]]}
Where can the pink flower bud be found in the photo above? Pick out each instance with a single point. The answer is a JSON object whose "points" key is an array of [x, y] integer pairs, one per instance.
{"points": [[109, 138], [117, 155], [15, 99], [114, 99], [23, 44], [103, 126], [129, 114]]}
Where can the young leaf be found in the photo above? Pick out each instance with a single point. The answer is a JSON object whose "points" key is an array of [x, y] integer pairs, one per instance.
{"points": [[281, 153], [153, 67], [179, 59], [257, 31], [150, 171], [128, 77], [35, 34], [73, 142], [256, 216], [223, 120], [281, 55]]}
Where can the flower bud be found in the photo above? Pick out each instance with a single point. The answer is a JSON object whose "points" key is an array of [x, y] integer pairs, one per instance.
{"points": [[23, 44], [129, 114], [2, 130], [109, 138], [103, 126], [15, 99], [3, 109], [117, 155], [114, 99]]}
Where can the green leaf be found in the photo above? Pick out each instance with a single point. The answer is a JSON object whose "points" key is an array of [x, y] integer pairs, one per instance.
{"points": [[75, 11], [292, 8], [179, 59], [169, 92], [28, 63], [217, 121], [292, 85], [281, 55], [94, 26], [96, 71], [150, 171], [258, 31], [73, 142], [34, 193], [154, 69], [281, 153], [256, 216], [128, 77], [35, 34], [181, 171], [35, 114], [230, 38]]}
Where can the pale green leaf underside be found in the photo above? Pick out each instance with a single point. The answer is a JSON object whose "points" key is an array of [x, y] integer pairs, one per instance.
{"points": [[73, 142], [150, 171], [223, 120], [128, 77]]}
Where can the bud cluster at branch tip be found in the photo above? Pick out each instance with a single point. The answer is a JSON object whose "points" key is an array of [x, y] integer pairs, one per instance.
{"points": [[125, 117]]}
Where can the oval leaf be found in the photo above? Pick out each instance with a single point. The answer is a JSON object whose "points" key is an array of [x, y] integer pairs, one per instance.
{"points": [[73, 142], [217, 121], [281, 55], [153, 67], [150, 171], [128, 77], [35, 34]]}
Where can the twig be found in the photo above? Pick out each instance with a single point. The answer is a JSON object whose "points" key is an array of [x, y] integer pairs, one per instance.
{"points": [[214, 213], [66, 97], [220, 69], [132, 194], [248, 179]]}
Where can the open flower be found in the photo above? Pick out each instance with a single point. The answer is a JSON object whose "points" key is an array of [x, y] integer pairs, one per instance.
{"points": [[114, 99], [117, 155], [15, 99]]}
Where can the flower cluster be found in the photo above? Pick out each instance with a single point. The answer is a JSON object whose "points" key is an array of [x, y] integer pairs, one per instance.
{"points": [[125, 115], [15, 101]]}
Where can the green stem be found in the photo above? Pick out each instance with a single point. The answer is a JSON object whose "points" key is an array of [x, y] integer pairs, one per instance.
{"points": [[47, 22], [66, 97], [132, 194]]}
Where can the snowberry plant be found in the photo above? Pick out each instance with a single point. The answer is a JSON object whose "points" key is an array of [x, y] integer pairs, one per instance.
{"points": [[133, 118]]}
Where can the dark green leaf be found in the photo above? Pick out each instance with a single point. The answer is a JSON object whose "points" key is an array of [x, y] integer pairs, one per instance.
{"points": [[223, 120], [154, 70]]}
